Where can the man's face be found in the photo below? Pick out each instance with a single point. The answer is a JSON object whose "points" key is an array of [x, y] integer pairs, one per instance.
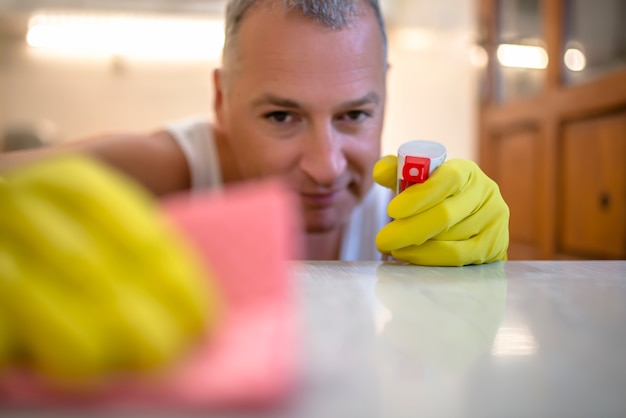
{"points": [[306, 103]]}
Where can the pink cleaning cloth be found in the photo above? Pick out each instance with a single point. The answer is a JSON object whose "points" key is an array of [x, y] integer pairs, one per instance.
{"points": [[245, 235]]}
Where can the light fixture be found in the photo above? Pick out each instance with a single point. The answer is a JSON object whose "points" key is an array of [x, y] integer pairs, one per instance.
{"points": [[522, 56], [575, 59], [142, 36]]}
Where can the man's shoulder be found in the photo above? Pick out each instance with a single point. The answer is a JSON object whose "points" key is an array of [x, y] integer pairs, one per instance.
{"points": [[191, 125]]}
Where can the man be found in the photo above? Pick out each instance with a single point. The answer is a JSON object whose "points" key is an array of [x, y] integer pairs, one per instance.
{"points": [[301, 96]]}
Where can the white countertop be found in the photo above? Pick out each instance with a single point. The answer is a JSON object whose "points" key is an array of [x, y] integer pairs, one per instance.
{"points": [[512, 339]]}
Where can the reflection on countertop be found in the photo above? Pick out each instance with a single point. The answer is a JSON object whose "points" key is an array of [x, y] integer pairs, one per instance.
{"points": [[514, 339]]}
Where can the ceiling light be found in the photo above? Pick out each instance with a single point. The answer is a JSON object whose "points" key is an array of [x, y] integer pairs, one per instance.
{"points": [[522, 56], [142, 36], [575, 59]]}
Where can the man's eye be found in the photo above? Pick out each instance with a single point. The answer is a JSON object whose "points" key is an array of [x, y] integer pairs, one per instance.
{"points": [[355, 116], [280, 117]]}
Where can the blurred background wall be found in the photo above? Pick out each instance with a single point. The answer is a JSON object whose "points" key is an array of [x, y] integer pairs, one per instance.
{"points": [[66, 96]]}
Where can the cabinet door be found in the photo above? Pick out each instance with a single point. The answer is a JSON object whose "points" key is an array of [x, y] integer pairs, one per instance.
{"points": [[516, 175], [592, 203]]}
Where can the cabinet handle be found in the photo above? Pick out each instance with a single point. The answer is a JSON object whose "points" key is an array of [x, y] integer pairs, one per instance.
{"points": [[605, 200]]}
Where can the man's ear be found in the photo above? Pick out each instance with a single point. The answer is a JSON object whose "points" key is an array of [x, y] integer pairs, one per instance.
{"points": [[218, 100]]}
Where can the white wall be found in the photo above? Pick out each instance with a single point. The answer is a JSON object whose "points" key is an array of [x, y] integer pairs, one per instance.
{"points": [[432, 95], [432, 84], [83, 97]]}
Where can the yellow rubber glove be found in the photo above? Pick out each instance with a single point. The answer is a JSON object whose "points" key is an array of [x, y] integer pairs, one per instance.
{"points": [[457, 217], [94, 279]]}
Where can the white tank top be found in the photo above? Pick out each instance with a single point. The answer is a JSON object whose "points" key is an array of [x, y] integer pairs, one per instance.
{"points": [[195, 138]]}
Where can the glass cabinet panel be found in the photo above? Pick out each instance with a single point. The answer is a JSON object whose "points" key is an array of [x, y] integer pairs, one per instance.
{"points": [[521, 54], [595, 39]]}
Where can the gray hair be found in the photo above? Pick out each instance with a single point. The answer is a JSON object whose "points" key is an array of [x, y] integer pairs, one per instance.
{"points": [[335, 14]]}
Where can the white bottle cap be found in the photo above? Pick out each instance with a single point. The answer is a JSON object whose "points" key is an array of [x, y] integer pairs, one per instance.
{"points": [[417, 160]]}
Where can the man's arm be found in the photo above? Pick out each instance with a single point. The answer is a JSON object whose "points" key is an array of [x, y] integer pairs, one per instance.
{"points": [[154, 160]]}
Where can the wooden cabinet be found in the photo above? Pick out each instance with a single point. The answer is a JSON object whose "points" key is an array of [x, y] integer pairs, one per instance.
{"points": [[553, 127], [517, 177], [592, 187]]}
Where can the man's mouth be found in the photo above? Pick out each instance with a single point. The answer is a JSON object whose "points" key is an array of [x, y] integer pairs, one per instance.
{"points": [[320, 200]]}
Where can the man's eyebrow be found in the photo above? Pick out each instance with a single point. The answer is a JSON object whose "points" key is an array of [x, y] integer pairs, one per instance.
{"points": [[371, 97], [275, 100]]}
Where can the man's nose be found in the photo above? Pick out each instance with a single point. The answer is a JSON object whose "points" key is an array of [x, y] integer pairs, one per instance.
{"points": [[322, 157]]}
